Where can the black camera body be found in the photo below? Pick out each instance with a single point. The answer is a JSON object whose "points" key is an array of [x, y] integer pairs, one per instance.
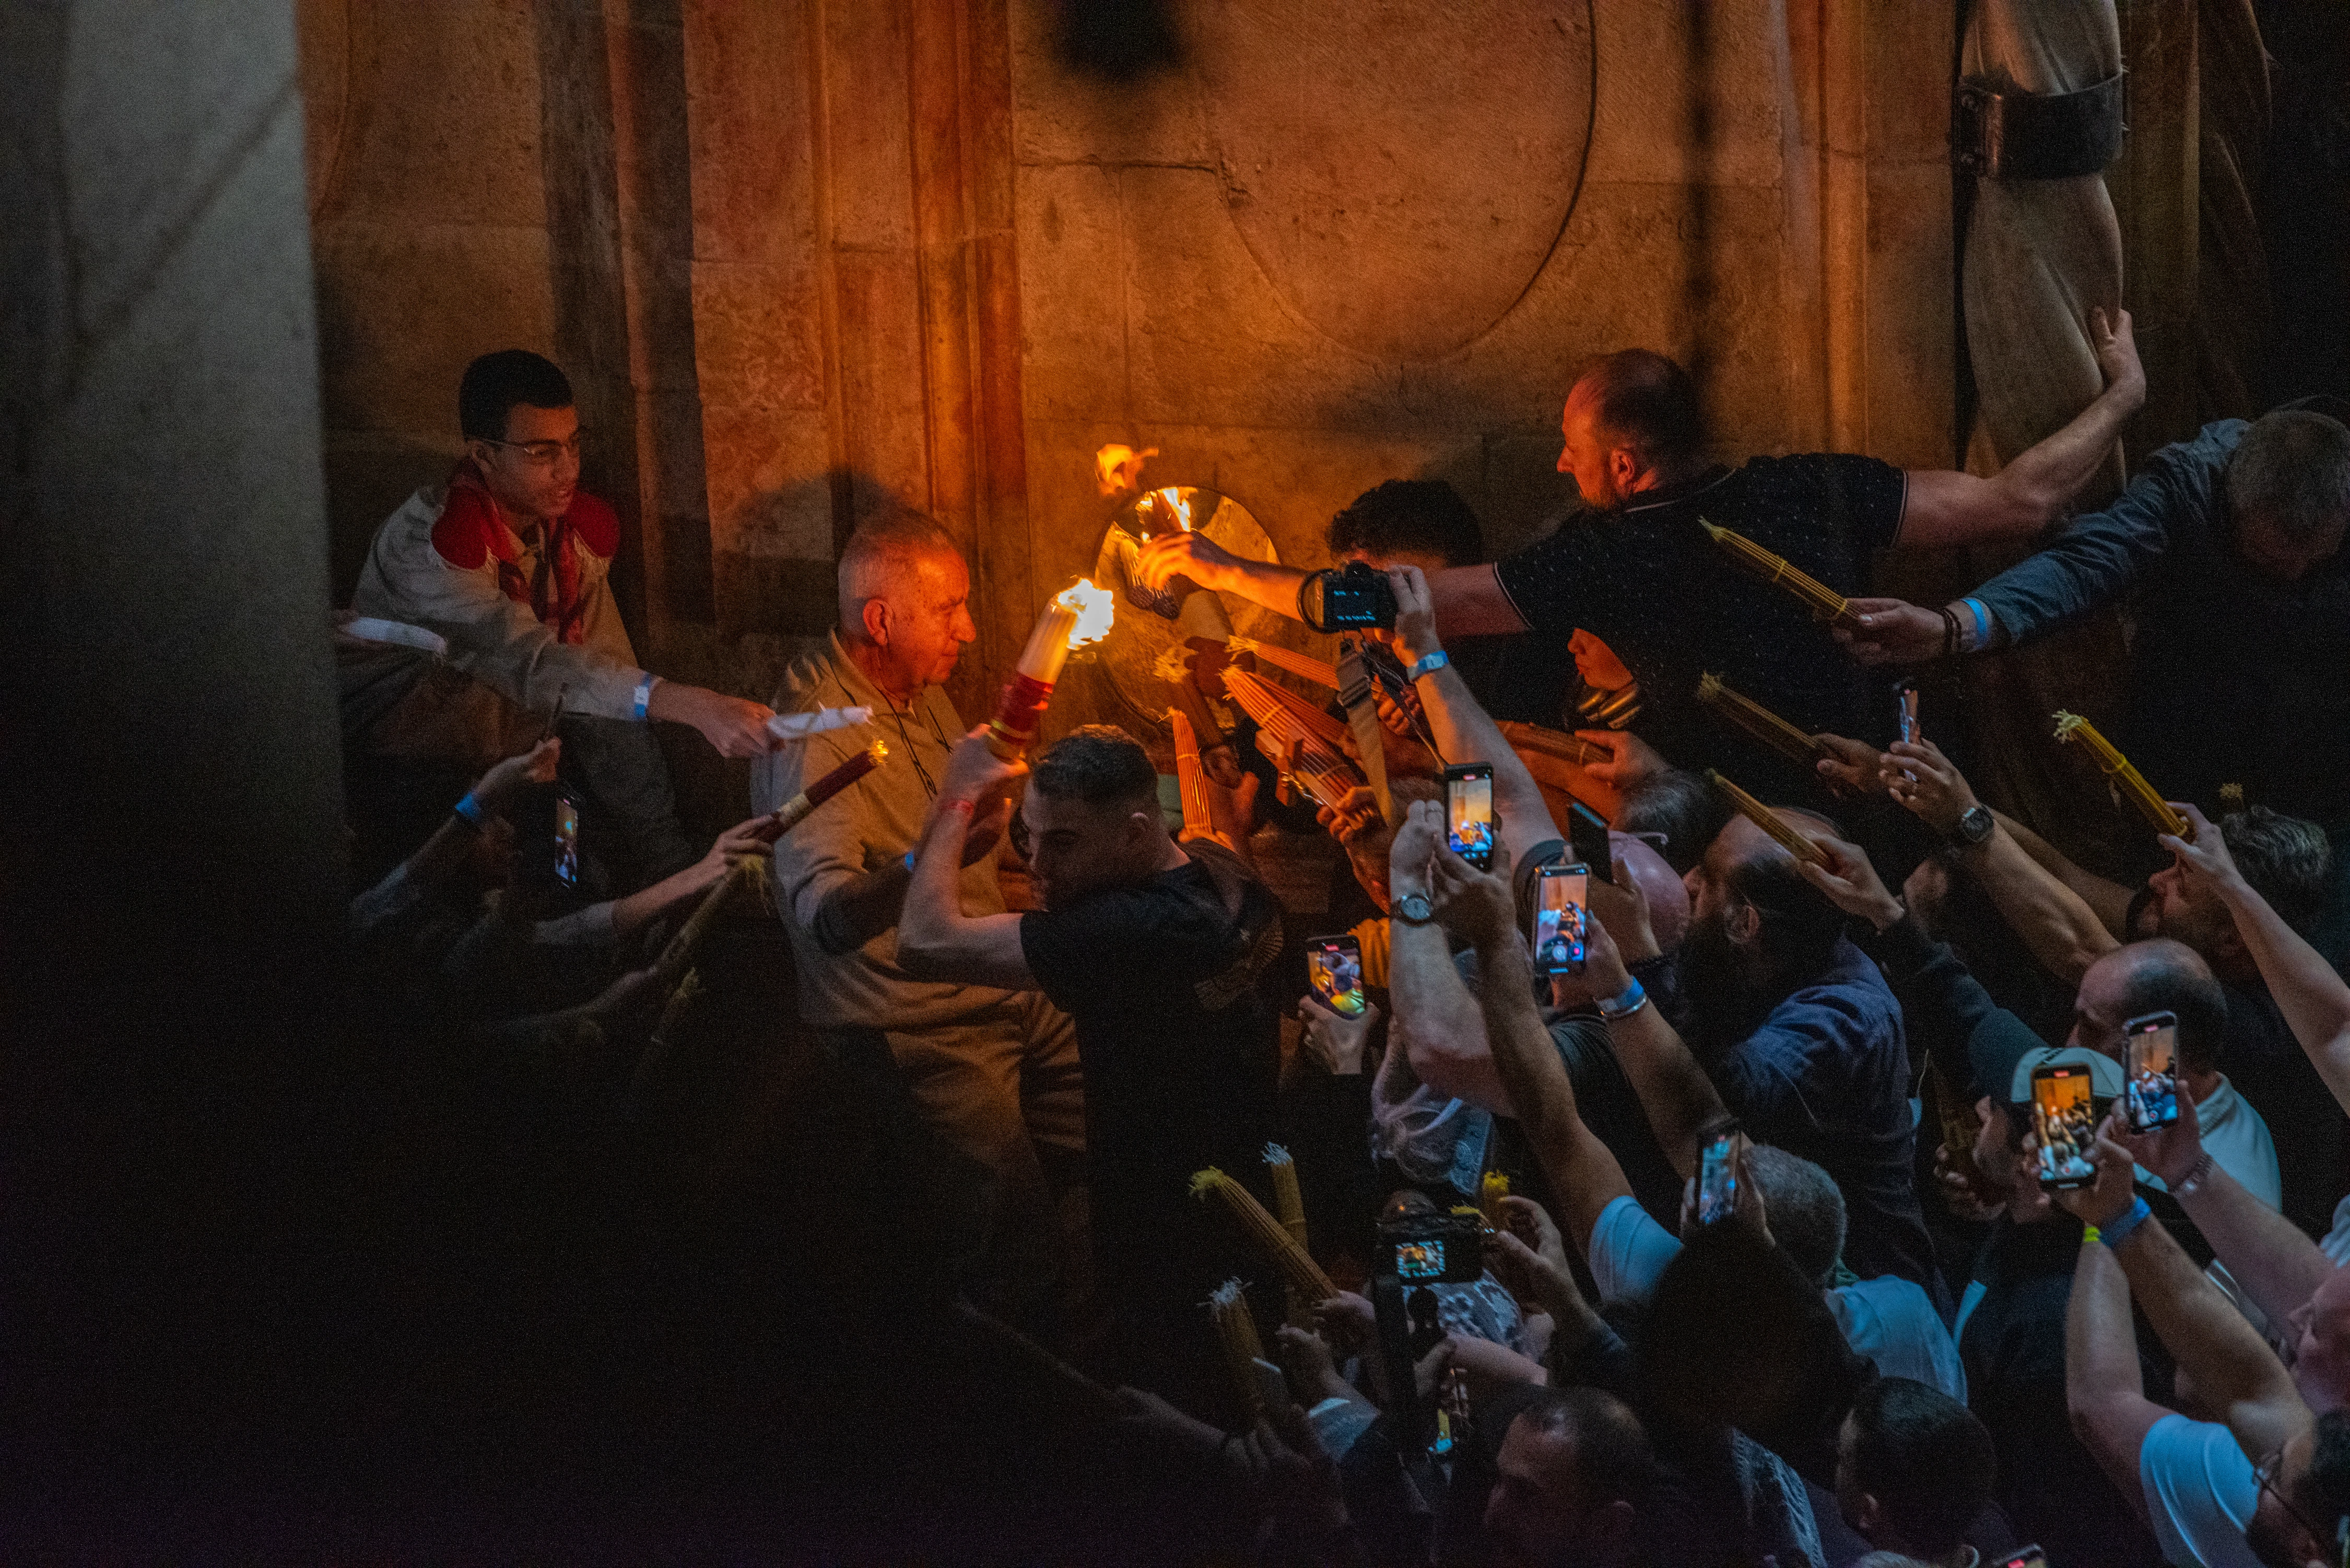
{"points": [[1356, 600], [1432, 1249]]}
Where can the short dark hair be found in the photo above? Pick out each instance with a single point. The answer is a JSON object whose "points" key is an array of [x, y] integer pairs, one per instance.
{"points": [[2168, 976], [1647, 401], [2288, 862], [2323, 1495], [494, 383], [1927, 1460], [1425, 516], [1099, 765], [1681, 807], [1800, 926], [1807, 1212], [2293, 470], [1613, 1459]]}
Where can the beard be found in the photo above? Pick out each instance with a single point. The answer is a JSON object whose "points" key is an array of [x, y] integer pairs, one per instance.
{"points": [[1723, 1005]]}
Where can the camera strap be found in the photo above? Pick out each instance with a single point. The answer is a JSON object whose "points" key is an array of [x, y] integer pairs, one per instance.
{"points": [[1358, 695]]}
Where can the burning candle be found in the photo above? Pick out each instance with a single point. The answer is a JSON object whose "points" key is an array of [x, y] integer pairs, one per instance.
{"points": [[1078, 616]]}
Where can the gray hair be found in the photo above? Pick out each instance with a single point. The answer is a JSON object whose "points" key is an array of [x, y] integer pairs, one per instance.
{"points": [[1808, 1215], [879, 556], [2293, 471]]}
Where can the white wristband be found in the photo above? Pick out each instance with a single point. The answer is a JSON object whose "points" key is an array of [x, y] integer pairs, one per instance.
{"points": [[644, 698]]}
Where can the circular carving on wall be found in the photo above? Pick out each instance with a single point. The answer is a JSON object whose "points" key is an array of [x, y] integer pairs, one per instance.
{"points": [[1400, 172]]}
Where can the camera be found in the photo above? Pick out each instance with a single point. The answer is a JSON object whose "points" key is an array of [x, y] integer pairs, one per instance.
{"points": [[1433, 1249], [1355, 600]]}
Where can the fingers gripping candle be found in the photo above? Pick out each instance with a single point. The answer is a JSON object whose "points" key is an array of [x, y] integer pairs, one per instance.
{"points": [[1080, 615]]}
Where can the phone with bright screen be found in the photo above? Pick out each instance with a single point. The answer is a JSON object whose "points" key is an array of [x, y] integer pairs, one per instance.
{"points": [[1587, 834], [2066, 1124], [1717, 1181], [1559, 906], [1334, 968], [567, 840], [2150, 1093], [1905, 694], [1469, 813]]}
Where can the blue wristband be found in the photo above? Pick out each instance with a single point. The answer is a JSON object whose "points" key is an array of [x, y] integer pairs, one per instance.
{"points": [[471, 810], [2115, 1234], [1431, 665], [644, 700], [1634, 997], [909, 860], [1982, 621]]}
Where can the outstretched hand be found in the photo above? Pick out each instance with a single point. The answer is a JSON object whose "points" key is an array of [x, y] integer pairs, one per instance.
{"points": [[1851, 767], [2108, 1198], [2207, 859], [1850, 882], [1475, 906], [1918, 775], [2116, 350], [1631, 760], [497, 789], [1890, 631]]}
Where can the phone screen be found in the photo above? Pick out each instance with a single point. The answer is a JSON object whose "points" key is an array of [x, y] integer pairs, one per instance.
{"points": [[2151, 1093], [2066, 1122], [567, 841], [1423, 1259], [1717, 1182], [1469, 813], [1588, 835], [1334, 968], [1558, 918], [1908, 693]]}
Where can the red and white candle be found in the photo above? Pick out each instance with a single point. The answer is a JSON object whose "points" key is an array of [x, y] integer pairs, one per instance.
{"points": [[1079, 615]]}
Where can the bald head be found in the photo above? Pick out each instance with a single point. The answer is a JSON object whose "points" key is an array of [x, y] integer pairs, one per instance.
{"points": [[2156, 976]]}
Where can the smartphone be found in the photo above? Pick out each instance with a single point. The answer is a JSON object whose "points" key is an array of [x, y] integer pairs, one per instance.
{"points": [[1558, 918], [1271, 1386], [1717, 1181], [567, 839], [2150, 1092], [2066, 1122], [1469, 813], [1905, 695], [1588, 835], [1334, 968]]}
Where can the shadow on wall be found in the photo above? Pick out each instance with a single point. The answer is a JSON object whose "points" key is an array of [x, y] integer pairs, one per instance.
{"points": [[368, 477]]}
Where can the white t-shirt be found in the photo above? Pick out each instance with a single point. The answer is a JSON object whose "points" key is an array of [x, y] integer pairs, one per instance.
{"points": [[2237, 1138], [1889, 1320], [2199, 1494]]}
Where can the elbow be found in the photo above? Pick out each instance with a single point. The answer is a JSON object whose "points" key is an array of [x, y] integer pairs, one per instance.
{"points": [[921, 958], [1439, 1060]]}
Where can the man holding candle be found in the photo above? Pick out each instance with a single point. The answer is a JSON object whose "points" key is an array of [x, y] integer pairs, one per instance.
{"points": [[1155, 947], [1637, 570], [992, 1069]]}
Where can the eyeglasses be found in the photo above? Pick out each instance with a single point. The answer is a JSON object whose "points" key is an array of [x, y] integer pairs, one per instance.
{"points": [[544, 453], [2265, 1476]]}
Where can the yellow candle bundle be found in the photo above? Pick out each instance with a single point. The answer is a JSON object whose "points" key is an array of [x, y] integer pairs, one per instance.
{"points": [[1758, 722], [1305, 665], [1491, 1190], [2123, 778], [1824, 602], [1289, 1205], [1557, 743], [1769, 821], [1236, 1333], [1263, 701], [1191, 780], [1272, 1240]]}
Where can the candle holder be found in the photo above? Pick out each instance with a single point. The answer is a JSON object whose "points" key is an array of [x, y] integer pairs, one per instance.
{"points": [[1077, 616]]}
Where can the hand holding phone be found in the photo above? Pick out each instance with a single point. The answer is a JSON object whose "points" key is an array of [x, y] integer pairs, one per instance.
{"points": [[1469, 813], [1562, 893], [1586, 832], [2150, 1090], [2065, 1123], [1334, 968], [1717, 1179]]}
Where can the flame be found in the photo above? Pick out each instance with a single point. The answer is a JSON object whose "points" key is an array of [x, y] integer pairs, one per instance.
{"points": [[1117, 467], [1095, 607], [1182, 506]]}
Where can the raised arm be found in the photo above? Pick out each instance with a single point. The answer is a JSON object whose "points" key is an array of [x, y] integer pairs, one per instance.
{"points": [[1469, 599], [1443, 1029], [936, 941], [1680, 1102], [2308, 993], [2104, 1386], [2233, 1368], [2057, 926], [1947, 508]]}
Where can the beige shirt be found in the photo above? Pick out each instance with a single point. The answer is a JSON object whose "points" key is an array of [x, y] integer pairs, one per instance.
{"points": [[868, 826]]}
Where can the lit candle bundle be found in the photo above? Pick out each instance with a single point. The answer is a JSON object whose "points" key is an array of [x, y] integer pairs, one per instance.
{"points": [[1191, 779], [1077, 616], [1236, 1333], [1491, 1189], [1305, 665], [1824, 602], [1557, 743], [2122, 778], [1261, 698], [1769, 821], [1274, 1243], [1758, 722], [789, 815]]}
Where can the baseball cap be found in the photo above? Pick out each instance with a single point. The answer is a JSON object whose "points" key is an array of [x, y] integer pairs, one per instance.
{"points": [[2105, 1073]]}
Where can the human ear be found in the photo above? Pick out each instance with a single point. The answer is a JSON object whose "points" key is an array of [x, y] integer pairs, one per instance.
{"points": [[876, 615], [1745, 922]]}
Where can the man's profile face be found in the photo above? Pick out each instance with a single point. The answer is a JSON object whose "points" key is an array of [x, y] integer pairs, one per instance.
{"points": [[1534, 1513], [1583, 450], [1075, 848], [2186, 912], [2272, 552], [534, 473], [929, 618], [2099, 1010], [2321, 1326]]}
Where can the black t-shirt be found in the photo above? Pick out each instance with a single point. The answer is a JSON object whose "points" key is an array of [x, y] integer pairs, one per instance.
{"points": [[1648, 581], [1182, 1058]]}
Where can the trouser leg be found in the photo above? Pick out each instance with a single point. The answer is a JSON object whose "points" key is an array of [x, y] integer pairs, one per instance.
{"points": [[628, 817]]}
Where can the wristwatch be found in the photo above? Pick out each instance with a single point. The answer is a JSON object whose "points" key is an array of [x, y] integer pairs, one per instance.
{"points": [[1412, 910], [1974, 825]]}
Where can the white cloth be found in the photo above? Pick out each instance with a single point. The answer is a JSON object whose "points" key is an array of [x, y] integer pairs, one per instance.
{"points": [[2199, 1494], [1889, 1320]]}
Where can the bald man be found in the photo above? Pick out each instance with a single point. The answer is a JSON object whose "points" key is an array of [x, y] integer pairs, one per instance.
{"points": [[1636, 570], [993, 1073]]}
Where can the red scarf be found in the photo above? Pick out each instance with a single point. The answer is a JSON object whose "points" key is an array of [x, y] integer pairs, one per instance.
{"points": [[472, 529]]}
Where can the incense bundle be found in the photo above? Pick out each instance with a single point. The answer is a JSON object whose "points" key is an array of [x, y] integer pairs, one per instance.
{"points": [[789, 815], [1758, 722], [1769, 821], [1557, 743], [2122, 778], [1491, 1189], [1823, 601], [1191, 780], [1236, 1333], [1305, 665], [746, 872], [1271, 1242], [1261, 698], [1289, 1204]]}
